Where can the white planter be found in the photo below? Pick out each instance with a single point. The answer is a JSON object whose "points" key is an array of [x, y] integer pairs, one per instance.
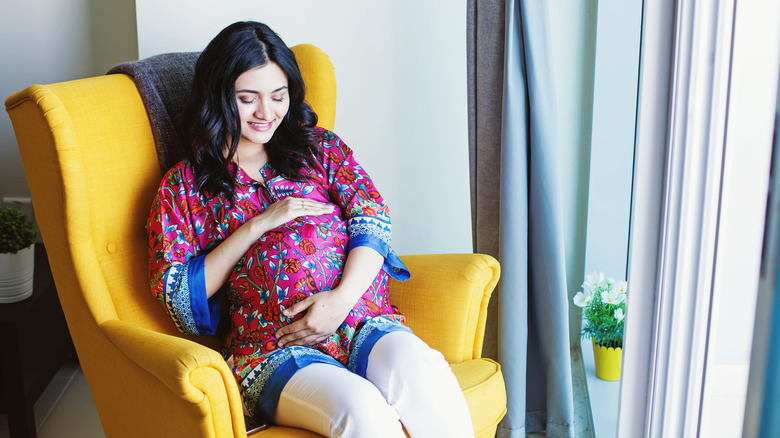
{"points": [[16, 275]]}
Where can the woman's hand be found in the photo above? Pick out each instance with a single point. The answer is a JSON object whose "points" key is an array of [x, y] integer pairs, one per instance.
{"points": [[288, 209], [325, 311], [223, 258]]}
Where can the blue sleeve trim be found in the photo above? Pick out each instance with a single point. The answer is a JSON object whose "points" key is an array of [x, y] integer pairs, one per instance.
{"points": [[374, 234], [205, 311], [395, 267], [176, 298]]}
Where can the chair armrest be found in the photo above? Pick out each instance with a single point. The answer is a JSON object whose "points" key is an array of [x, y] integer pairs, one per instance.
{"points": [[445, 300], [196, 374]]}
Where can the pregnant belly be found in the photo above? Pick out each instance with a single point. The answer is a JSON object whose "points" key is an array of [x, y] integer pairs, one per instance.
{"points": [[286, 265]]}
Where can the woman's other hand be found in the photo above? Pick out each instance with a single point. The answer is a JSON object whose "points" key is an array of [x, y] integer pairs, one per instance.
{"points": [[325, 311]]}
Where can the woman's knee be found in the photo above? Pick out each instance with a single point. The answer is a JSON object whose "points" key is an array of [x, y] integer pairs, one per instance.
{"points": [[404, 350], [332, 401], [369, 415], [418, 382]]}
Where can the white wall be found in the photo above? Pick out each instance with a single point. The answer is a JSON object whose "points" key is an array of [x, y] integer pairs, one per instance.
{"points": [[612, 143], [42, 42], [401, 75], [611, 172], [54, 41]]}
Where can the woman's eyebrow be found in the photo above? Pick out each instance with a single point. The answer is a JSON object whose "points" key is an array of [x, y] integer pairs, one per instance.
{"points": [[283, 87]]}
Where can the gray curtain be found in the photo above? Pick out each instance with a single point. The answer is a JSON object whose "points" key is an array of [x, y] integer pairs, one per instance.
{"points": [[516, 211]]}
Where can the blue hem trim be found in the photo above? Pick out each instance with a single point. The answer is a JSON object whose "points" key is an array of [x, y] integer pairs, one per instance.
{"points": [[205, 312], [371, 332], [265, 409], [269, 396]]}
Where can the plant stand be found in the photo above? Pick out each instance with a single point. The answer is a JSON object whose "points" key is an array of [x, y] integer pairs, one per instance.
{"points": [[35, 342]]}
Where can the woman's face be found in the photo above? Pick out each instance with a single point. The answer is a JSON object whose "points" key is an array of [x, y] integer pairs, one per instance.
{"points": [[262, 99]]}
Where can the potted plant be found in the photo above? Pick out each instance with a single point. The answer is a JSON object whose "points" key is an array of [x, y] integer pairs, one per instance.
{"points": [[603, 303], [17, 257]]}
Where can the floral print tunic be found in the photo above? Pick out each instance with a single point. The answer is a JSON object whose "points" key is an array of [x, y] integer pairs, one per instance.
{"points": [[287, 264]]}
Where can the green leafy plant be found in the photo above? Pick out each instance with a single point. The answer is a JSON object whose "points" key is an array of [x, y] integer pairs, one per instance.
{"points": [[603, 303], [16, 230]]}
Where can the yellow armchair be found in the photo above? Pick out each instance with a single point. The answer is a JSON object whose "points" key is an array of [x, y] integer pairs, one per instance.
{"points": [[91, 166]]}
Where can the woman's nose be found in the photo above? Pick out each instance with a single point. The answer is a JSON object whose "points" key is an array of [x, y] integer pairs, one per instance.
{"points": [[263, 109]]}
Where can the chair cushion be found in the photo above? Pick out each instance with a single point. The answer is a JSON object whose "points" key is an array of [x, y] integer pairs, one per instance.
{"points": [[483, 385]]}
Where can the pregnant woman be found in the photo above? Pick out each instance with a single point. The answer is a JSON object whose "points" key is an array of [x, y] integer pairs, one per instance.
{"points": [[276, 215]]}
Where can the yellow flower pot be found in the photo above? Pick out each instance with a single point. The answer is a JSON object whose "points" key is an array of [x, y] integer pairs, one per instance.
{"points": [[608, 362]]}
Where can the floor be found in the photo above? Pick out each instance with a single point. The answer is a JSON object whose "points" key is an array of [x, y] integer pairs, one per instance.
{"points": [[65, 409]]}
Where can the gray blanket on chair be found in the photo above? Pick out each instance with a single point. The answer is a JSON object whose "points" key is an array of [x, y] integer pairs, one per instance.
{"points": [[164, 82]]}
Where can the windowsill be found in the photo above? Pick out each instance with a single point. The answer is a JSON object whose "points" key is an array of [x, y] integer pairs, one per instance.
{"points": [[604, 396]]}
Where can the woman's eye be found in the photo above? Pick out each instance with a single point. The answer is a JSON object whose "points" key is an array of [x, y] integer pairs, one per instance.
{"points": [[247, 101], [278, 99]]}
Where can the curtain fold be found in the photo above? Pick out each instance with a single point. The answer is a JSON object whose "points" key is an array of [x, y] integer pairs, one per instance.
{"points": [[516, 211]]}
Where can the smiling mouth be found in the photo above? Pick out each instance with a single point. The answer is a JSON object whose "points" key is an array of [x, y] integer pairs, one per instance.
{"points": [[261, 127]]}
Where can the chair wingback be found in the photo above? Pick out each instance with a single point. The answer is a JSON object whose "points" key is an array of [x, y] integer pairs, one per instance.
{"points": [[91, 167], [320, 79]]}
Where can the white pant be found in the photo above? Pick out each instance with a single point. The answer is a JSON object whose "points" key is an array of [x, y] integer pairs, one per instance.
{"points": [[405, 380]]}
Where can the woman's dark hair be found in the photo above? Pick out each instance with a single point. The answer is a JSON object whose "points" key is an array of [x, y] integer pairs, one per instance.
{"points": [[210, 117]]}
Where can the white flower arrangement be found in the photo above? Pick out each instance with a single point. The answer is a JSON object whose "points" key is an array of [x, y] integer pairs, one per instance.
{"points": [[603, 303]]}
